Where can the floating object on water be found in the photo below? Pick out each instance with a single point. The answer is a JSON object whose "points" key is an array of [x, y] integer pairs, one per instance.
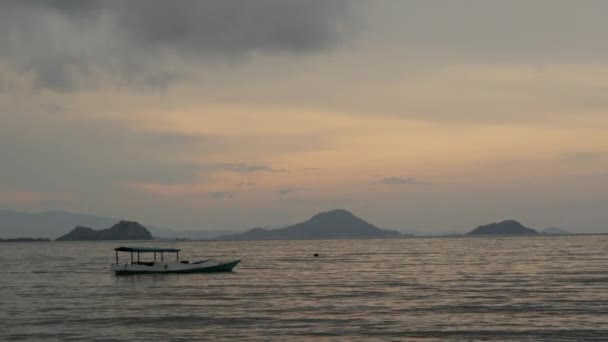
{"points": [[316, 255], [162, 266]]}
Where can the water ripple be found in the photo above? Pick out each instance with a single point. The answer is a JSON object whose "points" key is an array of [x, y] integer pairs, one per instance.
{"points": [[546, 289]]}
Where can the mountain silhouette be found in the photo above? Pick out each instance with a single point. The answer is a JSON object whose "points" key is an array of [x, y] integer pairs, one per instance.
{"points": [[337, 223], [508, 227], [123, 230]]}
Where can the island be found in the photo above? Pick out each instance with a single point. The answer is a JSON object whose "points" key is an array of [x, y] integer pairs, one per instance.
{"points": [[333, 224], [555, 231], [507, 227], [123, 230]]}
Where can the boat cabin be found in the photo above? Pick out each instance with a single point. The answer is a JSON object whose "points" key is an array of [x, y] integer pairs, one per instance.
{"points": [[138, 250]]}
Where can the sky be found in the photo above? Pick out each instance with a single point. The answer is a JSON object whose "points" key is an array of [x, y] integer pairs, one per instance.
{"points": [[430, 115]]}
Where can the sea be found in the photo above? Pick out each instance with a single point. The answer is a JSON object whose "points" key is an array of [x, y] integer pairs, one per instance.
{"points": [[544, 288]]}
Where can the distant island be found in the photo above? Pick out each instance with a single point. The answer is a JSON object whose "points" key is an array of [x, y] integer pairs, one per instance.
{"points": [[333, 224], [25, 240], [123, 230], [508, 227], [555, 231]]}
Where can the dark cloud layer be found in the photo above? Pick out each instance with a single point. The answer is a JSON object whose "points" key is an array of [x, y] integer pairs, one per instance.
{"points": [[232, 26], [63, 6], [62, 42]]}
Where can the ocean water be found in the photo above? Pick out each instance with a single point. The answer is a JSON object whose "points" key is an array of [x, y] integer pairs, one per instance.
{"points": [[495, 288]]}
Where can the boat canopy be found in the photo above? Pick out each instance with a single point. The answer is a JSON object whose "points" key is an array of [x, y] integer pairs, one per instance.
{"points": [[147, 249]]}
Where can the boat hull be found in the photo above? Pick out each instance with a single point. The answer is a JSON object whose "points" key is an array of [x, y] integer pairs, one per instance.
{"points": [[169, 268]]}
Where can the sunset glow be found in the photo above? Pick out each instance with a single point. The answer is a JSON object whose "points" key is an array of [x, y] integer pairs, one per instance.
{"points": [[388, 118]]}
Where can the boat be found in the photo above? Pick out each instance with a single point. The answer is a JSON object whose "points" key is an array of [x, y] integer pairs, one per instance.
{"points": [[136, 266]]}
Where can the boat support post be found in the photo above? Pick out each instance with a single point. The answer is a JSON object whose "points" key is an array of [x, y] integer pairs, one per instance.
{"points": [[116, 257]]}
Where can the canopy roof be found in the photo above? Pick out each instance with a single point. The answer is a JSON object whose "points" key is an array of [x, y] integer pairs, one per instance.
{"points": [[146, 249]]}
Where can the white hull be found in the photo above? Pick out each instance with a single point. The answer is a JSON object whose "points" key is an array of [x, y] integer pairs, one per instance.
{"points": [[174, 267]]}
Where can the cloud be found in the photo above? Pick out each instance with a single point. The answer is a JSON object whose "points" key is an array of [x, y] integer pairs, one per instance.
{"points": [[317, 204], [65, 43], [70, 7], [171, 138], [484, 29], [288, 191], [245, 168], [220, 195], [400, 181], [232, 26]]}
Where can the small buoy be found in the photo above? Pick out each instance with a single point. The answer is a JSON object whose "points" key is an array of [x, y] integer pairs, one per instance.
{"points": [[316, 255]]}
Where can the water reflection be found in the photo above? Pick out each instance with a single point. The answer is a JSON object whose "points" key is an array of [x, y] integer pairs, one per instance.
{"points": [[548, 288]]}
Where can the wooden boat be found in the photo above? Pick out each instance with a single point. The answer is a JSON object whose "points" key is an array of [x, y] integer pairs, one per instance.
{"points": [[136, 266]]}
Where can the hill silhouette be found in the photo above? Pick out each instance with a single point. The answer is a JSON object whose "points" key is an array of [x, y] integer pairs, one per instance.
{"points": [[123, 230], [337, 223], [508, 227]]}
